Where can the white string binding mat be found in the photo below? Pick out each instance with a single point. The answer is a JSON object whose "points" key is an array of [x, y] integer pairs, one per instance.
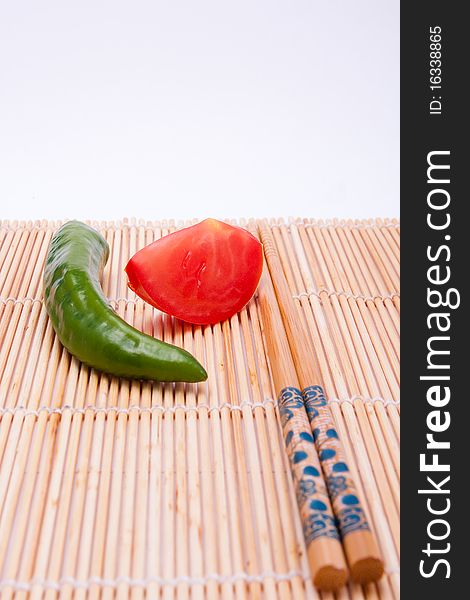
{"points": [[330, 224], [347, 295], [297, 296], [135, 408], [25, 411], [173, 582]]}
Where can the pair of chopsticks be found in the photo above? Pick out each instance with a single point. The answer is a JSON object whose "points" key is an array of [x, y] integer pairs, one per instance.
{"points": [[336, 530]]}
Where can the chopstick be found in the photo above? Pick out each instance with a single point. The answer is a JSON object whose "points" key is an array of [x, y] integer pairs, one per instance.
{"points": [[360, 546], [324, 549]]}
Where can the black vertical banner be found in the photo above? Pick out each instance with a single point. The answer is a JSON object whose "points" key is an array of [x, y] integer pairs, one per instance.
{"points": [[435, 258]]}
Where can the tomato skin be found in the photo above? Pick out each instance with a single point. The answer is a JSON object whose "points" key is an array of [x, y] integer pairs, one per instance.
{"points": [[201, 274]]}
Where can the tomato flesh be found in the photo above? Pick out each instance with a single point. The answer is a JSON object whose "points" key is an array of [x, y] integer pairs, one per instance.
{"points": [[201, 274]]}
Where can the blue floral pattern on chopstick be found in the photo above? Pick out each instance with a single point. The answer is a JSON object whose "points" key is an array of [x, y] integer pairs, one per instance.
{"points": [[349, 514], [312, 496]]}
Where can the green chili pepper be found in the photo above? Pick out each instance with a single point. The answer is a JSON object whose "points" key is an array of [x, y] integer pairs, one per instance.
{"points": [[88, 327]]}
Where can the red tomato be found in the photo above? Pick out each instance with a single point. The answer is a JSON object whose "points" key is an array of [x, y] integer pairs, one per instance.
{"points": [[201, 274]]}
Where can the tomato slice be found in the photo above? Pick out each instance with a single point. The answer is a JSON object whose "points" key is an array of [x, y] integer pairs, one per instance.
{"points": [[201, 274]]}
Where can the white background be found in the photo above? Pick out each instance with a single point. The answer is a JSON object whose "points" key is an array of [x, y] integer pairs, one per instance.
{"points": [[194, 108]]}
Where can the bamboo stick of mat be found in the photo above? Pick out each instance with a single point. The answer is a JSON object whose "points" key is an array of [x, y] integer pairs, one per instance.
{"points": [[324, 550], [360, 546]]}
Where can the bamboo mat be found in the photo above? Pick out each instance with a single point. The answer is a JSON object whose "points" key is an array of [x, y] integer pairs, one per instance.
{"points": [[118, 489]]}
